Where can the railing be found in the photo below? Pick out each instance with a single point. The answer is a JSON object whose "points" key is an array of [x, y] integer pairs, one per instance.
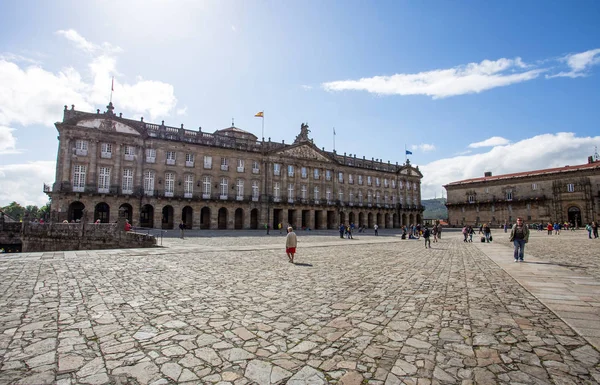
{"points": [[171, 161], [78, 188], [47, 188], [106, 155], [80, 152], [189, 163], [255, 171], [223, 197], [103, 190], [128, 157], [205, 196], [240, 169], [150, 159], [188, 195], [207, 166], [224, 167], [239, 198]]}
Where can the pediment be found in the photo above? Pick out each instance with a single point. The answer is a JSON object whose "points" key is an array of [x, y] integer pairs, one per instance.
{"points": [[410, 171], [304, 151], [108, 125]]}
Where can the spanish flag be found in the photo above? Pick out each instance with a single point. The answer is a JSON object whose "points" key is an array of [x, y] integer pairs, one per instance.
{"points": [[260, 114]]}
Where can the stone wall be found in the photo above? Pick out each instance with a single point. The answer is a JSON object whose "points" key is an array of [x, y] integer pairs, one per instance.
{"points": [[10, 235], [80, 236]]}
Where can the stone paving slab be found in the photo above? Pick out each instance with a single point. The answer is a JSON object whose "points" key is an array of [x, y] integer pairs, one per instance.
{"points": [[232, 310]]}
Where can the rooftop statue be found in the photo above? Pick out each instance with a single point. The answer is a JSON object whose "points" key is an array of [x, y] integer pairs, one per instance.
{"points": [[303, 135]]}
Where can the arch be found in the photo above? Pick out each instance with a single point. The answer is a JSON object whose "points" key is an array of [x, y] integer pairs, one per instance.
{"points": [[395, 220], [127, 211], [147, 216], [419, 219], [379, 221], [167, 217], [205, 218], [76, 211], [370, 220], [404, 221], [187, 217], [254, 219], [386, 217], [102, 212], [342, 217], [411, 220], [351, 218], [361, 219], [574, 213], [239, 219], [222, 219]]}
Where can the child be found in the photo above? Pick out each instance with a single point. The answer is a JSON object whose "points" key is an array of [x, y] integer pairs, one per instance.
{"points": [[291, 241], [426, 235]]}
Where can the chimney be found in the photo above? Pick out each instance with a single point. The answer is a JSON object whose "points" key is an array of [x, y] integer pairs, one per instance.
{"points": [[487, 174]]}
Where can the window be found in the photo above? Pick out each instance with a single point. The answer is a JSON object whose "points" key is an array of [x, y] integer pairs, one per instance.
{"points": [[400, 185], [341, 177], [316, 193], [351, 196], [385, 183], [239, 190], [303, 191], [150, 155], [188, 186], [224, 164], [81, 147], [341, 196], [360, 180], [360, 197], [149, 182], [407, 185], [487, 190], [255, 191], [106, 150], [169, 184], [509, 195], [477, 208], [240, 165], [129, 152], [276, 169], [493, 208], [171, 157], [415, 186], [104, 180], [189, 160], [534, 186], [394, 200], [378, 197], [290, 170], [510, 208], [303, 172], [206, 187], [369, 181], [570, 187], [471, 198], [327, 174], [350, 178], [316, 173], [377, 182], [79, 178], [224, 187], [369, 197], [276, 191], [290, 192], [127, 182], [393, 183], [255, 168], [401, 199], [207, 161], [528, 206], [328, 195]]}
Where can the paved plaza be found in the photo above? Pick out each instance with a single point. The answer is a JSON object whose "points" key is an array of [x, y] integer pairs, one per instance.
{"points": [[220, 308]]}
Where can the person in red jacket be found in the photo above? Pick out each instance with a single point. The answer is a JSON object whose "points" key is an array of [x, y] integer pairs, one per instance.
{"points": [[127, 225]]}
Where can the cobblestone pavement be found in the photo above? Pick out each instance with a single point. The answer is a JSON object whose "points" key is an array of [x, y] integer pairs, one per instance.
{"points": [[232, 310]]}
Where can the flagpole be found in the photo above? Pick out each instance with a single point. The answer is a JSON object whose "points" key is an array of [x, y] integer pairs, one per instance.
{"points": [[112, 88], [333, 139], [263, 125], [405, 154]]}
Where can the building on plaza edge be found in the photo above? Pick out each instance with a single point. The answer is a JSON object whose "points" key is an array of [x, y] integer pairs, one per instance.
{"points": [[161, 175], [564, 194]]}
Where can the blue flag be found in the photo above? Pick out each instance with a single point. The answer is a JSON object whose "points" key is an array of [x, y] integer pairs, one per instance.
{"points": [[408, 152]]}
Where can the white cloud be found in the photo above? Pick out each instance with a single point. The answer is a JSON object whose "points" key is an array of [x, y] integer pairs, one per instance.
{"points": [[233, 28], [306, 87], [579, 63], [32, 95], [491, 142], [8, 56], [470, 78], [23, 183], [182, 111], [8, 142], [423, 147], [538, 152]]}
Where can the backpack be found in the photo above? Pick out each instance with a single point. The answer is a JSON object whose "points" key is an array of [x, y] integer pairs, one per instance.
{"points": [[426, 233]]}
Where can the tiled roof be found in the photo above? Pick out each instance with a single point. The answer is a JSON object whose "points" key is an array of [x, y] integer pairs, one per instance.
{"points": [[595, 165], [235, 129]]}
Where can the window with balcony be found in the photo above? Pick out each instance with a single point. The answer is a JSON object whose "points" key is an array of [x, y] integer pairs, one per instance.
{"points": [[350, 179], [291, 193], [255, 167], [169, 184], [290, 170], [129, 152], [393, 183], [206, 187], [127, 181], [316, 173], [255, 191], [189, 160], [369, 197], [316, 193], [385, 183], [276, 192], [106, 150], [171, 157], [377, 182], [79, 178], [360, 180], [341, 196], [276, 169], [304, 173], [340, 177], [104, 180], [81, 147], [369, 181], [150, 155], [351, 197], [378, 197], [400, 185], [149, 182], [360, 197], [303, 191], [224, 164], [188, 186], [207, 162], [239, 188], [328, 195], [327, 174], [407, 185], [570, 187], [224, 188], [240, 165], [415, 186]]}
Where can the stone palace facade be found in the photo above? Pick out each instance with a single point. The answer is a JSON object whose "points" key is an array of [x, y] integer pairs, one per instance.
{"points": [[159, 175], [564, 194]]}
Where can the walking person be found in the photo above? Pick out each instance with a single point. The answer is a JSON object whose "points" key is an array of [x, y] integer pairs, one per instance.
{"points": [[181, 229], [487, 232], [434, 232], [595, 229], [376, 227], [291, 242], [426, 235], [588, 227], [519, 236]]}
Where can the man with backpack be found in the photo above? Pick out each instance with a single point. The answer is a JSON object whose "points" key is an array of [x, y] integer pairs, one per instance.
{"points": [[426, 235]]}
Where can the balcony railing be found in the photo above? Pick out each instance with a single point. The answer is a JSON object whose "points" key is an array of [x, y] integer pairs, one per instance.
{"points": [[78, 188], [189, 163], [103, 190], [239, 198], [240, 169], [171, 162], [254, 199], [169, 194], [255, 171], [128, 157], [224, 167], [80, 152], [276, 199], [291, 200], [207, 166], [276, 172], [223, 197], [127, 192], [205, 196], [149, 193], [106, 155], [150, 159], [188, 195]]}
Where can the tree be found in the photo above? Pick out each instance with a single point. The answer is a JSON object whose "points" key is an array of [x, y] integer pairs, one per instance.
{"points": [[44, 211], [14, 210]]}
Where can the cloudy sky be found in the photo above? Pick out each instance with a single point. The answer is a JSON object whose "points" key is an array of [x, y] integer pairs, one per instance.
{"points": [[467, 86]]}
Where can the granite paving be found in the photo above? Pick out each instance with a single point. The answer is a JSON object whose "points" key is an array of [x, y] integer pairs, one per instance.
{"points": [[228, 308]]}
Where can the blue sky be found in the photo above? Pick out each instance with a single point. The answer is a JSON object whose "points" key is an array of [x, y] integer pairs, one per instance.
{"points": [[467, 86]]}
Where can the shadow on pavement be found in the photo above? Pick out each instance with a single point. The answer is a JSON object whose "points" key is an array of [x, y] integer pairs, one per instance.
{"points": [[556, 264], [303, 264]]}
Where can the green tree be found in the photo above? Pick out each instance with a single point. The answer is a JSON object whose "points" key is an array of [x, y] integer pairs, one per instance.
{"points": [[44, 211], [31, 211], [14, 210]]}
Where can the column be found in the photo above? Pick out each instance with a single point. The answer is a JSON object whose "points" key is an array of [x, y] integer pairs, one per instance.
{"points": [[117, 169], [66, 166], [92, 154], [311, 219]]}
